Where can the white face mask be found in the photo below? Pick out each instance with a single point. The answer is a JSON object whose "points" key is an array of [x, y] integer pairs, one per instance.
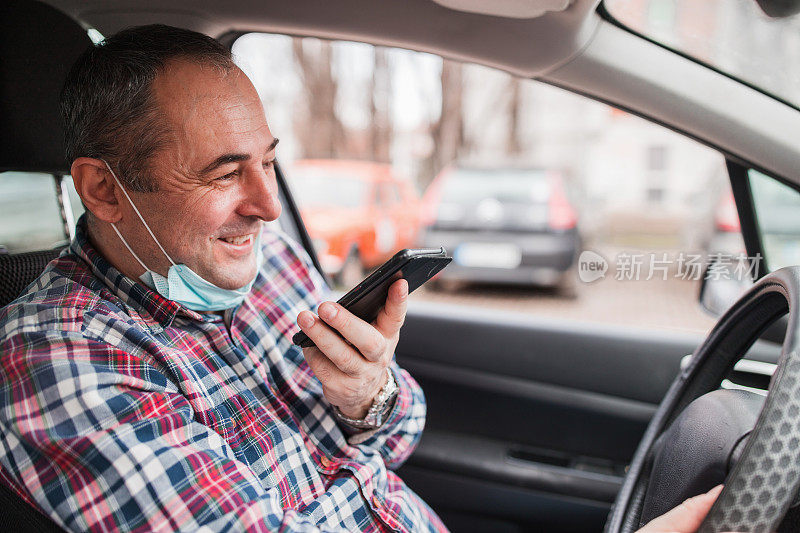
{"points": [[182, 284]]}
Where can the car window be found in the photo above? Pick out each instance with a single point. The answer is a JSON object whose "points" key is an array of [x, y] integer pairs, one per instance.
{"points": [[393, 193], [381, 197], [550, 203], [467, 186], [777, 208], [388, 194], [30, 214], [320, 187], [73, 207], [734, 36]]}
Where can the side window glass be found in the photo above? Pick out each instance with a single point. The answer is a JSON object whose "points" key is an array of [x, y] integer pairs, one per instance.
{"points": [[381, 198], [393, 193], [30, 216], [388, 194], [777, 209], [551, 204]]}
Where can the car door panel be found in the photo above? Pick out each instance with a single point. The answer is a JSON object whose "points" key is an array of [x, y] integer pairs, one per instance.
{"points": [[550, 411], [498, 507]]}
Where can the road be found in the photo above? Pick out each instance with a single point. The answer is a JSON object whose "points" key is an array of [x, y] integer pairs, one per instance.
{"points": [[670, 304]]}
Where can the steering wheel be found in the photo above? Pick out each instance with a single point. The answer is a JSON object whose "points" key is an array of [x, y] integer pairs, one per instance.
{"points": [[765, 479]]}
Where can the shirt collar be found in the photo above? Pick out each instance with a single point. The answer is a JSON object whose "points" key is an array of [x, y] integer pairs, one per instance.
{"points": [[130, 291]]}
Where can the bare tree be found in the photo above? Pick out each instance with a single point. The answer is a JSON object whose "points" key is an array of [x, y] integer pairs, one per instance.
{"points": [[318, 125], [379, 96], [448, 131], [514, 136]]}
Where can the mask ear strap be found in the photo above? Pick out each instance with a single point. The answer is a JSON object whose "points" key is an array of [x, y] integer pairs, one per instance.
{"points": [[114, 227], [140, 218]]}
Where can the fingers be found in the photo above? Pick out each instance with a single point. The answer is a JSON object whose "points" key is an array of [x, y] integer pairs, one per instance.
{"points": [[348, 380], [369, 341], [356, 337], [330, 343], [351, 356], [351, 394], [686, 517], [393, 314], [322, 367]]}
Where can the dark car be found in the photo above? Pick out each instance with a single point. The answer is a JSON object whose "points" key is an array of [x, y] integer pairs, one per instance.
{"points": [[510, 225]]}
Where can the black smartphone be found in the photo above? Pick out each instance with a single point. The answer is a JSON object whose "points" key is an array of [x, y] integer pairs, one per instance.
{"points": [[366, 299]]}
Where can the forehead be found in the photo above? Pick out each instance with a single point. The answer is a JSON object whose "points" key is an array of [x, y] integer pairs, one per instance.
{"points": [[206, 103]]}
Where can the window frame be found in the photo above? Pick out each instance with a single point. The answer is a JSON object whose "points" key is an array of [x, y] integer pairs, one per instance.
{"points": [[743, 175], [292, 223], [745, 207]]}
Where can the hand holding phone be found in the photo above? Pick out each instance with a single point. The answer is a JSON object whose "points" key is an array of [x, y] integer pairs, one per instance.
{"points": [[358, 335], [367, 298]]}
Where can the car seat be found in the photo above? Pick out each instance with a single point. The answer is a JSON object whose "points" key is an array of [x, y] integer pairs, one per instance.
{"points": [[17, 271], [38, 45]]}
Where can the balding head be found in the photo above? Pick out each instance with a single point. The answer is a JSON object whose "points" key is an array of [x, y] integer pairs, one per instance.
{"points": [[108, 103]]}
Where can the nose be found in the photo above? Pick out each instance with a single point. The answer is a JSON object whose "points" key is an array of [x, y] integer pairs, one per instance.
{"points": [[260, 194]]}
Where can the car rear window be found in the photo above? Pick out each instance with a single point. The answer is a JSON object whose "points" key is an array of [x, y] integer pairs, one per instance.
{"points": [[327, 187], [466, 186]]}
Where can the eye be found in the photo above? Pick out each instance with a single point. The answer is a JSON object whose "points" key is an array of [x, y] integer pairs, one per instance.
{"points": [[227, 177], [269, 164]]}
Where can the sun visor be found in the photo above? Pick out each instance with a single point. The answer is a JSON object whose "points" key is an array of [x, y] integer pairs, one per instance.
{"points": [[517, 9]]}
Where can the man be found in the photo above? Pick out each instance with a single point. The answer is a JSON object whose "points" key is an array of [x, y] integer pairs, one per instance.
{"points": [[149, 380], [148, 377]]}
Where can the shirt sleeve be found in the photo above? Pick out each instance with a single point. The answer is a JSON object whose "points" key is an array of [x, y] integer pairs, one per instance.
{"points": [[103, 441]]}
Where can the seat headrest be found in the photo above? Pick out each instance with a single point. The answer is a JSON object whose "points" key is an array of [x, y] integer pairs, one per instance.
{"points": [[38, 45]]}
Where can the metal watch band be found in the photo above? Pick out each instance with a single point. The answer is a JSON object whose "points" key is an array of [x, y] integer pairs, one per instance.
{"points": [[381, 405]]}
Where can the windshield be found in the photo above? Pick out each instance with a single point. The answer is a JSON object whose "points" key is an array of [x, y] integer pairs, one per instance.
{"points": [[734, 36], [467, 186], [327, 188]]}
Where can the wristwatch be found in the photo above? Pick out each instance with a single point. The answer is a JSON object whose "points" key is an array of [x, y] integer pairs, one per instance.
{"points": [[380, 407]]}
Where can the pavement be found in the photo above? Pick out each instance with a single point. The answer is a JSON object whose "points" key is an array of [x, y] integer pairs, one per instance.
{"points": [[670, 304]]}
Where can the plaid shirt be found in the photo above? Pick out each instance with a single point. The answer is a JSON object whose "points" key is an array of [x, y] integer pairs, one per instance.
{"points": [[120, 409]]}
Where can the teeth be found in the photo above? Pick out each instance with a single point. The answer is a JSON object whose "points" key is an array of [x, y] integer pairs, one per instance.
{"points": [[237, 240]]}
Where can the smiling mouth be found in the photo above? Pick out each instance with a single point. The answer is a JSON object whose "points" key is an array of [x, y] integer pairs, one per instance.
{"points": [[238, 240]]}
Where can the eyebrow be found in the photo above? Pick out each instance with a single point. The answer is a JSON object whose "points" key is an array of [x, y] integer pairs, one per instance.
{"points": [[234, 158]]}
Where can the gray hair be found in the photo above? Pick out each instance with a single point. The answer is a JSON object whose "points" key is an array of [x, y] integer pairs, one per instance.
{"points": [[108, 105]]}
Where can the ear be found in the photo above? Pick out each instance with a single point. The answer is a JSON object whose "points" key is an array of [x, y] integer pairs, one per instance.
{"points": [[97, 188]]}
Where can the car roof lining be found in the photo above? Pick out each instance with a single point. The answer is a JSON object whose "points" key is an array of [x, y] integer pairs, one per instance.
{"points": [[575, 49], [524, 46]]}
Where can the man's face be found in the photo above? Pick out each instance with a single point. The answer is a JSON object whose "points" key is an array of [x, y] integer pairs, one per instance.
{"points": [[216, 178]]}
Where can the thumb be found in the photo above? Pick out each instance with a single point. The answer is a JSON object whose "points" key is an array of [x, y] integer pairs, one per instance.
{"points": [[686, 517], [391, 317]]}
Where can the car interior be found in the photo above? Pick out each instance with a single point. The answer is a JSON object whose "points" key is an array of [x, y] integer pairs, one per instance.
{"points": [[533, 423]]}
